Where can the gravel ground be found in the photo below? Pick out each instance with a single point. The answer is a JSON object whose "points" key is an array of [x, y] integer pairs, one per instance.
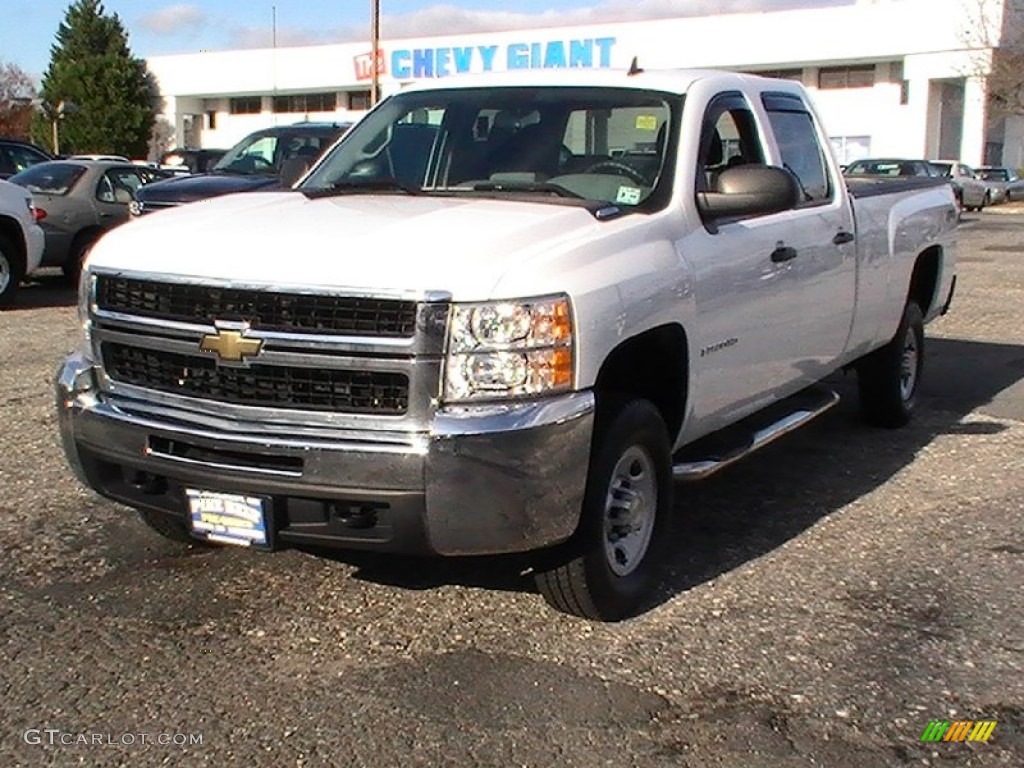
{"points": [[827, 599]]}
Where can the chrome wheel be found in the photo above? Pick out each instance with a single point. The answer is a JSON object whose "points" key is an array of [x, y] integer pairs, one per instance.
{"points": [[908, 365], [630, 509]]}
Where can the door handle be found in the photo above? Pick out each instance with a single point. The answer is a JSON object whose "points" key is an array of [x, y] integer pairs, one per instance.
{"points": [[783, 253], [842, 237]]}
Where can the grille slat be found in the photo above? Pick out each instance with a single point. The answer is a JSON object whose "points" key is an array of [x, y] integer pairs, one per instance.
{"points": [[314, 389], [263, 310]]}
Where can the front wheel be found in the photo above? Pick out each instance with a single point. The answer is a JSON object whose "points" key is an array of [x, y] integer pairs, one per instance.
{"points": [[889, 377], [610, 566]]}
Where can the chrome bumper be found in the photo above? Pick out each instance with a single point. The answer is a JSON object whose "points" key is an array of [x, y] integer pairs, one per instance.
{"points": [[483, 479]]}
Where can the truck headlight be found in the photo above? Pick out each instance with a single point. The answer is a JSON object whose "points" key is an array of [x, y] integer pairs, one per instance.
{"points": [[509, 349]]}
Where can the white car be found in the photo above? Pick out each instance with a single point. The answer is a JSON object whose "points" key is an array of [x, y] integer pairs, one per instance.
{"points": [[21, 239]]}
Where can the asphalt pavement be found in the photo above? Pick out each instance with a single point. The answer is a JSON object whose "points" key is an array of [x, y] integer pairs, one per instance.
{"points": [[828, 598]]}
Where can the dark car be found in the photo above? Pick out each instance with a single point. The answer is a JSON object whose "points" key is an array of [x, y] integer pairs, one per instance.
{"points": [[16, 156], [192, 160], [76, 201], [267, 159]]}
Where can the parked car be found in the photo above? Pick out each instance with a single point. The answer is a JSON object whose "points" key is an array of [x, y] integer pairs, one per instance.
{"points": [[890, 166], [21, 239], [1003, 183], [270, 158], [972, 192], [18, 155], [108, 158], [76, 201], [192, 160]]}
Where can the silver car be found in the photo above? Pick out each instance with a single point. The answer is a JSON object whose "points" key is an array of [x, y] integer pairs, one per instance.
{"points": [[1004, 183], [972, 193], [79, 200]]}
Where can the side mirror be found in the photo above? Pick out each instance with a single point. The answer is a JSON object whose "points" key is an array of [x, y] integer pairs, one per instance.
{"points": [[750, 190]]}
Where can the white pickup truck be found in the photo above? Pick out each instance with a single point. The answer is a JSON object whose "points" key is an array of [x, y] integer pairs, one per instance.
{"points": [[503, 314]]}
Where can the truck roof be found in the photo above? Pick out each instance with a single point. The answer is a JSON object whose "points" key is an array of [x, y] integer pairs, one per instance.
{"points": [[667, 80]]}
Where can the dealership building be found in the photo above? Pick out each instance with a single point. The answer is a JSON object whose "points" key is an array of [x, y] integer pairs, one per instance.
{"points": [[906, 78]]}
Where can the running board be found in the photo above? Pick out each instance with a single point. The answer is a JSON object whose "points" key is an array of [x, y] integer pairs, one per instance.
{"points": [[720, 449]]}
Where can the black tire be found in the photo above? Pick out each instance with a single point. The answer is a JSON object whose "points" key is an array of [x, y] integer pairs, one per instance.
{"points": [[72, 268], [889, 378], [630, 457], [12, 270], [170, 527]]}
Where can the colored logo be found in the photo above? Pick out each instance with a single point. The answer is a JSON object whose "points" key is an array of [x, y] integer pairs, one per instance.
{"points": [[958, 730], [230, 346]]}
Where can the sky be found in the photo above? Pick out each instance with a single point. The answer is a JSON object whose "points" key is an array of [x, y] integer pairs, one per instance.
{"points": [[182, 26]]}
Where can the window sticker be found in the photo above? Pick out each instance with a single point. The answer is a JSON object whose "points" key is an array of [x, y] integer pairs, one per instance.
{"points": [[628, 195], [646, 123]]}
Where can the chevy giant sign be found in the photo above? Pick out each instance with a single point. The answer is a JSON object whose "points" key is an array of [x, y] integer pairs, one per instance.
{"points": [[414, 63]]}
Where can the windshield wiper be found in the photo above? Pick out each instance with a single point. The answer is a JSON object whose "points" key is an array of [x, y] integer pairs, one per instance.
{"points": [[525, 186], [346, 186]]}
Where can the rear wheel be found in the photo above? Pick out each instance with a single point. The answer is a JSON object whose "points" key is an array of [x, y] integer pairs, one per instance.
{"points": [[12, 270], [610, 566], [72, 268], [889, 377]]}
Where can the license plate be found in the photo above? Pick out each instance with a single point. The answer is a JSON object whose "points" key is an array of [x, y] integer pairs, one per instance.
{"points": [[228, 518]]}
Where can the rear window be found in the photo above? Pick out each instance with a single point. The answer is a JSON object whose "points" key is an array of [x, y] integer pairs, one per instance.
{"points": [[49, 178]]}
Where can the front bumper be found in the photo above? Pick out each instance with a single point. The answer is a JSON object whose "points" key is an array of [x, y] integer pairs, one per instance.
{"points": [[483, 479]]}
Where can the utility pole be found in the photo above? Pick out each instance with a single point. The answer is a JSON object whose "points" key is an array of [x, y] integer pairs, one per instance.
{"points": [[375, 46]]}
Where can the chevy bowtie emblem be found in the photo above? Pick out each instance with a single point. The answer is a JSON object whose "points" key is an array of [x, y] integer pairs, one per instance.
{"points": [[230, 346]]}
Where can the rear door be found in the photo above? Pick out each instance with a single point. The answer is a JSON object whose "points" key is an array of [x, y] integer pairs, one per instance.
{"points": [[821, 235], [774, 293]]}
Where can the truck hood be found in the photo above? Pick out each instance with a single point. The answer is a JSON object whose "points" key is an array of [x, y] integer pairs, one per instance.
{"points": [[392, 244], [188, 189]]}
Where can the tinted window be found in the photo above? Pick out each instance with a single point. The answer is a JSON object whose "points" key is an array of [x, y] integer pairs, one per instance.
{"points": [[22, 157], [264, 153], [801, 153], [49, 178]]}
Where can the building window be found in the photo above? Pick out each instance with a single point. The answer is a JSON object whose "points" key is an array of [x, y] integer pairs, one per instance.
{"points": [[850, 148], [359, 100], [211, 120], [246, 105], [781, 74], [306, 102], [847, 77]]}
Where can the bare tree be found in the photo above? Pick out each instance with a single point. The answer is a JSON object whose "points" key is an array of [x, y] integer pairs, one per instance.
{"points": [[161, 139], [994, 33], [17, 93]]}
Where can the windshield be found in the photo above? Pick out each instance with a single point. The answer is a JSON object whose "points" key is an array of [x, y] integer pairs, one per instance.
{"points": [[597, 144], [263, 154], [994, 174], [49, 178]]}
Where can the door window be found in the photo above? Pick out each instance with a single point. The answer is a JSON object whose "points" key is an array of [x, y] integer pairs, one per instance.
{"points": [[729, 138], [798, 143]]}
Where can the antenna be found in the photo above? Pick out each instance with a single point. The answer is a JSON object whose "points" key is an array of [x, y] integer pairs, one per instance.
{"points": [[634, 68]]}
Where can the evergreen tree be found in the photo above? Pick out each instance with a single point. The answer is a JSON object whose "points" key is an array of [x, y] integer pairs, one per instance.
{"points": [[110, 99]]}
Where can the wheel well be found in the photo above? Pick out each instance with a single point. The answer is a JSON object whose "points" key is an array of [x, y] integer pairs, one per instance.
{"points": [[12, 230], [652, 365], [925, 278], [87, 235]]}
